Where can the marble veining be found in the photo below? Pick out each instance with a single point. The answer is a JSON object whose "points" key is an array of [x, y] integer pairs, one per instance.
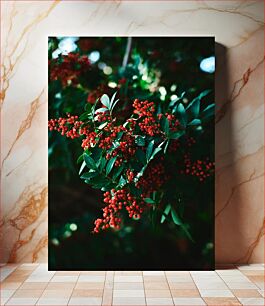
{"points": [[237, 25]]}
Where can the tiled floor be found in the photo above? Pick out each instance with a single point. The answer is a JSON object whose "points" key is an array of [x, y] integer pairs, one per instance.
{"points": [[33, 284]]}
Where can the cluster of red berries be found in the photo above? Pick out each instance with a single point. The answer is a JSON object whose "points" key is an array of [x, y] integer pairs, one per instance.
{"points": [[70, 126], [103, 116], [87, 44], [89, 141], [199, 168], [153, 178], [116, 200], [106, 139], [130, 175], [98, 92], [145, 110], [68, 68]]}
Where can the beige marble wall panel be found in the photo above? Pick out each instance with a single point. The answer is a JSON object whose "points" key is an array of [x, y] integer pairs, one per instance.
{"points": [[237, 25]]}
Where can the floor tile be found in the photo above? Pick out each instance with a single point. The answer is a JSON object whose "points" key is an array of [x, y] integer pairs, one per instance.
{"points": [[241, 285], [67, 273], [218, 301], [3, 300], [253, 272], [251, 301], [261, 292], [10, 286], [128, 293], [177, 273], [188, 301], [250, 267], [27, 293], [232, 272], [107, 297], [246, 293], [128, 273], [56, 294], [33, 286], [185, 293], [88, 285], [129, 286], [91, 278], [60, 286], [260, 285], [216, 293], [6, 293], [98, 273], [85, 301], [159, 301], [87, 293], [182, 286], [39, 279], [177, 279], [64, 279], [128, 279], [125, 301], [154, 278], [53, 301], [22, 301], [256, 278], [235, 278], [156, 285], [149, 293], [211, 285], [152, 273]]}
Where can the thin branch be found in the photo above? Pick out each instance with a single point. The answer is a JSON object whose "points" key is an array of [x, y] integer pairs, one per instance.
{"points": [[127, 52]]}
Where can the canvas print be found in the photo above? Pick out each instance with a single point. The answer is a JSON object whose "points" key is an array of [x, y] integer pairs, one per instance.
{"points": [[131, 153]]}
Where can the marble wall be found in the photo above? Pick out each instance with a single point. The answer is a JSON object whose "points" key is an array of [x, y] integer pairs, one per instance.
{"points": [[238, 28]]}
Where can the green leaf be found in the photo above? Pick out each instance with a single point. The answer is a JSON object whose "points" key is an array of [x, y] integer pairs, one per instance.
{"points": [[114, 104], [140, 140], [166, 146], [165, 125], [156, 150], [195, 122], [89, 175], [88, 107], [82, 167], [119, 136], [208, 111], [90, 162], [112, 99], [149, 149], [117, 172], [149, 201], [110, 164], [175, 217], [84, 116], [96, 153], [166, 212], [182, 116], [102, 125], [122, 181], [140, 156], [176, 135], [101, 110], [98, 181], [204, 93], [80, 158], [105, 101], [194, 105], [184, 227], [102, 163]]}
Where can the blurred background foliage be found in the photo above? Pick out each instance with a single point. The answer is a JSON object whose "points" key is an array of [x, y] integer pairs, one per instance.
{"points": [[159, 70]]}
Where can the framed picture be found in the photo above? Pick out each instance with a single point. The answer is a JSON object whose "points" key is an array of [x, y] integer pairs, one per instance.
{"points": [[131, 153]]}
